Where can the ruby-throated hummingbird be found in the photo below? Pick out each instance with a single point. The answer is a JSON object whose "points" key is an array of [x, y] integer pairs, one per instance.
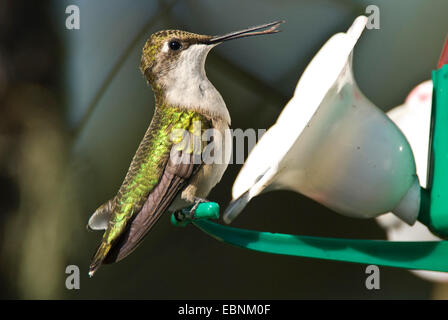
{"points": [[173, 64]]}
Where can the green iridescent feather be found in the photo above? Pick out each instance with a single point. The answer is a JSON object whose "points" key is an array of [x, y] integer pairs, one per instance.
{"points": [[148, 164]]}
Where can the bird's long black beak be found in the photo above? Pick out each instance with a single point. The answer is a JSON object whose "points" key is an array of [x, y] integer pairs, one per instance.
{"points": [[267, 28]]}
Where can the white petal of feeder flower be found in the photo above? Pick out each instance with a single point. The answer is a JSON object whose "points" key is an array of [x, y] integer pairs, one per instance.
{"points": [[333, 145]]}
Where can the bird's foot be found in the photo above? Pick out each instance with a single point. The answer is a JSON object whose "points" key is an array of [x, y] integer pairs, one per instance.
{"points": [[197, 201], [183, 214]]}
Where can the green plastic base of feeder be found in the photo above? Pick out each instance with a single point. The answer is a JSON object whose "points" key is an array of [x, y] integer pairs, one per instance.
{"points": [[434, 208], [426, 255], [204, 210]]}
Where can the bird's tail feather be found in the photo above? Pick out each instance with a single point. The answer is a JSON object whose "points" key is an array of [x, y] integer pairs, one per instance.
{"points": [[99, 257]]}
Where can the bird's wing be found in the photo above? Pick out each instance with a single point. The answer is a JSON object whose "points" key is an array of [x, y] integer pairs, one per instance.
{"points": [[152, 182], [174, 180]]}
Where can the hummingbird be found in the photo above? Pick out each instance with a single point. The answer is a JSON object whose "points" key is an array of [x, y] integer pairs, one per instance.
{"points": [[173, 63]]}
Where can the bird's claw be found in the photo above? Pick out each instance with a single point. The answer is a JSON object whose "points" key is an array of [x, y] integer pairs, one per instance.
{"points": [[197, 201], [188, 214]]}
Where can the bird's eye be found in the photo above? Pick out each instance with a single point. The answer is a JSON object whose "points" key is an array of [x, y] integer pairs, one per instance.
{"points": [[175, 45]]}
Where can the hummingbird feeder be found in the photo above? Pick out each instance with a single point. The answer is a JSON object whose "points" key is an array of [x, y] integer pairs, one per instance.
{"points": [[348, 155]]}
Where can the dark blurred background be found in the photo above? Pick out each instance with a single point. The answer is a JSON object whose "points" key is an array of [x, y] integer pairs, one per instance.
{"points": [[74, 106]]}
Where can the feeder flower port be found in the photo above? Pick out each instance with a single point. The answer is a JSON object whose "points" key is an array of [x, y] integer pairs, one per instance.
{"points": [[339, 149]]}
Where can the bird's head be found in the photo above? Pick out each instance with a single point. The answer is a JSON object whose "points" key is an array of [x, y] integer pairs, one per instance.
{"points": [[169, 54]]}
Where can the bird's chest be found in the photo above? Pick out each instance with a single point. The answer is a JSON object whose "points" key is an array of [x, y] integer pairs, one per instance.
{"points": [[215, 158], [193, 92]]}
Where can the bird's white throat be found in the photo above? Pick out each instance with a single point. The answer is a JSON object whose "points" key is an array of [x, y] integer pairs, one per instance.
{"points": [[187, 85]]}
